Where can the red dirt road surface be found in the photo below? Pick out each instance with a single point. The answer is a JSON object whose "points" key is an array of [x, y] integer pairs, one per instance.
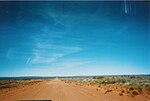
{"points": [[57, 90]]}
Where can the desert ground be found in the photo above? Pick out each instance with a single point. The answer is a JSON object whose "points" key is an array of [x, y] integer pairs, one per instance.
{"points": [[59, 89]]}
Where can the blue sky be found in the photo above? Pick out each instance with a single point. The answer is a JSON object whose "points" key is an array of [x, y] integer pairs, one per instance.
{"points": [[74, 38]]}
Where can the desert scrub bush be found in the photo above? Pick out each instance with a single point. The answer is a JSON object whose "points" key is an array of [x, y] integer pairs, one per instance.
{"points": [[122, 91], [147, 88], [4, 84], [98, 77], [120, 94], [110, 80], [68, 81], [108, 90], [101, 81], [119, 80], [140, 88], [136, 86], [131, 88], [134, 93], [132, 77]]}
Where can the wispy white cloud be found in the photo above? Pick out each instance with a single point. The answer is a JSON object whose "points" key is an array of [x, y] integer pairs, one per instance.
{"points": [[71, 63], [10, 53], [40, 45], [45, 57], [47, 52], [28, 60], [17, 53]]}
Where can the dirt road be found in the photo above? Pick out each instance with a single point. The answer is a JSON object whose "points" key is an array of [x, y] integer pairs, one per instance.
{"points": [[57, 90]]}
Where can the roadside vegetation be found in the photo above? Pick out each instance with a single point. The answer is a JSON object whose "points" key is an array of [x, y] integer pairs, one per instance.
{"points": [[130, 85], [8, 84]]}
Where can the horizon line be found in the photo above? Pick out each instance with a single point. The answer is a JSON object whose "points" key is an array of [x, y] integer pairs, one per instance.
{"points": [[75, 75]]}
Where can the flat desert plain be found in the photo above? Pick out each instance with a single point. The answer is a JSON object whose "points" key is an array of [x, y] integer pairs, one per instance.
{"points": [[59, 90]]}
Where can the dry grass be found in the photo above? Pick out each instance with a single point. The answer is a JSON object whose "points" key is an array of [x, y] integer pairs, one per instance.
{"points": [[8, 84], [130, 85]]}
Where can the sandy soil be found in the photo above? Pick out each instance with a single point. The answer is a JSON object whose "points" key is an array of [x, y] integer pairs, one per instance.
{"points": [[57, 90]]}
